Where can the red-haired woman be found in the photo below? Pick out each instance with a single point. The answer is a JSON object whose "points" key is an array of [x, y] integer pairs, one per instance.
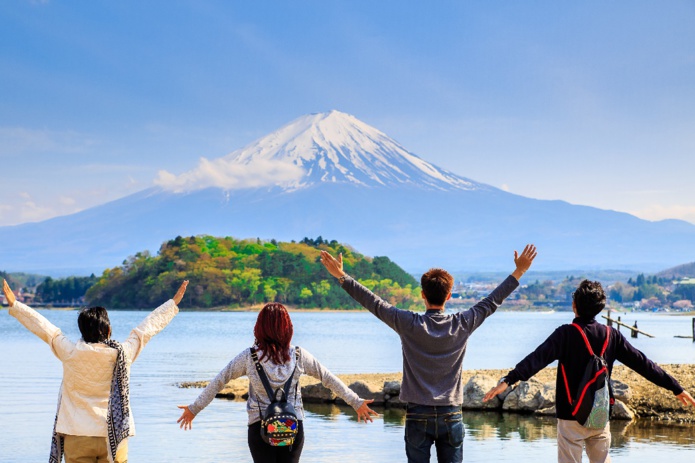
{"points": [[283, 364]]}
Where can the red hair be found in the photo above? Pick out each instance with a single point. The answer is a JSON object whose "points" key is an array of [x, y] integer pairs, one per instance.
{"points": [[273, 332]]}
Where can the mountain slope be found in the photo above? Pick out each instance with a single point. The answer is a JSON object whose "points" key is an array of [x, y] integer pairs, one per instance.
{"points": [[359, 187], [679, 271]]}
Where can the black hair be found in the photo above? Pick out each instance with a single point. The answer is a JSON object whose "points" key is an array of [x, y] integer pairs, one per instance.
{"points": [[589, 299], [94, 324]]}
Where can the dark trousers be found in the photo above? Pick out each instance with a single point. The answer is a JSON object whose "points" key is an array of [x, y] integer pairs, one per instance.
{"points": [[265, 453], [439, 425]]}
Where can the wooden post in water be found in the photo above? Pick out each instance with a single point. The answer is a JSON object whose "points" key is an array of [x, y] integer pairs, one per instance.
{"points": [[609, 322], [633, 333], [693, 329], [619, 323]]}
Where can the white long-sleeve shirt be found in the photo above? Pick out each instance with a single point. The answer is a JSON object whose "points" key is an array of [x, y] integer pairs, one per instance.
{"points": [[88, 368]]}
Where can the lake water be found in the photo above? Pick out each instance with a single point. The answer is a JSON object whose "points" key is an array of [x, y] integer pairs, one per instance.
{"points": [[198, 344]]}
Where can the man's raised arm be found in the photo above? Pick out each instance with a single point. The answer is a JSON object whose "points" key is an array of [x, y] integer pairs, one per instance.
{"points": [[393, 317], [475, 316]]}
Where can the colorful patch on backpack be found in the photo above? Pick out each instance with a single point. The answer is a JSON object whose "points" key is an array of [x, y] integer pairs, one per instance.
{"points": [[282, 425]]}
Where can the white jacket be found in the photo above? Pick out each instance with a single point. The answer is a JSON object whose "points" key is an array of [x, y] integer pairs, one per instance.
{"points": [[88, 368]]}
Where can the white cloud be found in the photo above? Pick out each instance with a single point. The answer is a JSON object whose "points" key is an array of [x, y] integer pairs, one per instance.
{"points": [[40, 205], [230, 175], [660, 212]]}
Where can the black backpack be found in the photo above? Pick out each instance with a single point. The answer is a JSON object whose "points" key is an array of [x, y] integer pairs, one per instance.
{"points": [[279, 423], [594, 398]]}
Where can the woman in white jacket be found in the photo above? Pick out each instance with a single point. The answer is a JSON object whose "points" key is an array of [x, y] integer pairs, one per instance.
{"points": [[93, 420]]}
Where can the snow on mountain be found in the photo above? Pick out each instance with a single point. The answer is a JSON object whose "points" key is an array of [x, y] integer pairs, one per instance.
{"points": [[331, 147]]}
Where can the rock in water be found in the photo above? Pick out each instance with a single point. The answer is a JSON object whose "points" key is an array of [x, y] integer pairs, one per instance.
{"points": [[621, 391], [622, 412], [474, 391], [530, 396], [392, 388], [317, 393]]}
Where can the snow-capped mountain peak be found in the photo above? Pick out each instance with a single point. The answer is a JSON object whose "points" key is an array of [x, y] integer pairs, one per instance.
{"points": [[338, 147], [331, 147]]}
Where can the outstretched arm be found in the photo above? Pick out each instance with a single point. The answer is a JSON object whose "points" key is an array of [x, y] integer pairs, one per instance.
{"points": [[637, 361], [155, 322], [234, 369], [532, 364], [38, 324], [477, 314], [313, 368], [393, 317]]}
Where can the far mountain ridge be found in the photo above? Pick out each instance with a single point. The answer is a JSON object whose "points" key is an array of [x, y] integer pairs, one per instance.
{"points": [[329, 174], [679, 271]]}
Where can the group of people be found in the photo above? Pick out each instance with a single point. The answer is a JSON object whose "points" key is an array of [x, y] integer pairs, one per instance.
{"points": [[93, 421]]}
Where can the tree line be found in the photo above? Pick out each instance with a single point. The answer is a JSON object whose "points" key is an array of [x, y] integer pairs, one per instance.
{"points": [[233, 272]]}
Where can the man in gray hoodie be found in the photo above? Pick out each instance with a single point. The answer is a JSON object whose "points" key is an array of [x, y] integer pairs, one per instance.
{"points": [[434, 344]]}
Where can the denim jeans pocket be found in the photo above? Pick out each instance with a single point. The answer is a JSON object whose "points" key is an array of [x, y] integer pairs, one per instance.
{"points": [[415, 431], [454, 428]]}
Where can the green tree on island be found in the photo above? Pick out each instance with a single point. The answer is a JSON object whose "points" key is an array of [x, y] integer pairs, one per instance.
{"points": [[233, 272]]}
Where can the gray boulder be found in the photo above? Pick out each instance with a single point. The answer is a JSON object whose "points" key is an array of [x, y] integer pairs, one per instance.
{"points": [[622, 412], [474, 391], [317, 393], [621, 391], [530, 396], [392, 388]]}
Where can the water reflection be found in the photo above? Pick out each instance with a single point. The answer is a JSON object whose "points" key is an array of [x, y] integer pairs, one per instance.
{"points": [[624, 432], [483, 426]]}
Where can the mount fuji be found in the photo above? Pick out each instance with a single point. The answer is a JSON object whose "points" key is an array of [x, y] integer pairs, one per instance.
{"points": [[332, 175]]}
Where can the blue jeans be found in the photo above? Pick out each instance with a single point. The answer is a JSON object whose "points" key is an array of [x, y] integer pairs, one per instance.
{"points": [[439, 425]]}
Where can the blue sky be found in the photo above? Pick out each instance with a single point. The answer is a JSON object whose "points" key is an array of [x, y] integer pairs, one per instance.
{"points": [[590, 102]]}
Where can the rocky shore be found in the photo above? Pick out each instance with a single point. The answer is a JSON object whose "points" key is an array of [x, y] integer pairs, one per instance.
{"points": [[635, 396]]}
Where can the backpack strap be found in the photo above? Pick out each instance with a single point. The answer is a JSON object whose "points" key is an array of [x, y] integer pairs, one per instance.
{"points": [[586, 340], [288, 384], [262, 375], [605, 343]]}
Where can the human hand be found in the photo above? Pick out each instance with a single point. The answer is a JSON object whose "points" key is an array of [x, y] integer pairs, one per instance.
{"points": [[524, 261], [186, 419], [500, 388], [686, 398], [365, 413], [179, 294], [9, 295], [333, 265]]}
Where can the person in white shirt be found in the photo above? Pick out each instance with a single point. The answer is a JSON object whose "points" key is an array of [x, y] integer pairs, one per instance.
{"points": [[93, 421]]}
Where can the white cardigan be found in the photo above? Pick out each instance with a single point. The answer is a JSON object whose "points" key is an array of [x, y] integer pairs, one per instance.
{"points": [[88, 368]]}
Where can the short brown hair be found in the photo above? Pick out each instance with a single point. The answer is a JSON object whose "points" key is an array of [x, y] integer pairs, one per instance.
{"points": [[436, 284]]}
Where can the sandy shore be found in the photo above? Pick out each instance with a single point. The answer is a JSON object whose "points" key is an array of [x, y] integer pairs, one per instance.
{"points": [[647, 400]]}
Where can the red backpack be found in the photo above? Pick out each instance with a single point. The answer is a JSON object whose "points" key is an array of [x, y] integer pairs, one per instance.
{"points": [[593, 399]]}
